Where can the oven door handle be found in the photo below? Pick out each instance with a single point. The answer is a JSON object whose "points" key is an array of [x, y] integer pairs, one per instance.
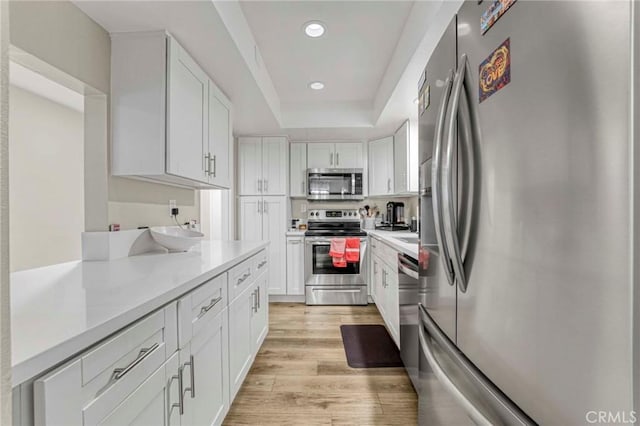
{"points": [[325, 242]]}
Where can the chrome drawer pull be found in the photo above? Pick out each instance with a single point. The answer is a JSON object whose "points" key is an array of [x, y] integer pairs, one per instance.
{"points": [[180, 404], [264, 262], [192, 375], [244, 278], [119, 373], [207, 308]]}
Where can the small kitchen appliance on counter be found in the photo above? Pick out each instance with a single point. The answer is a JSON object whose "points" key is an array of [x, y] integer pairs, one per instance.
{"points": [[395, 218]]}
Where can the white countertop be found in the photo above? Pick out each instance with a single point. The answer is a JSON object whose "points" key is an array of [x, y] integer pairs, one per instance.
{"points": [[57, 311], [292, 233], [391, 238]]}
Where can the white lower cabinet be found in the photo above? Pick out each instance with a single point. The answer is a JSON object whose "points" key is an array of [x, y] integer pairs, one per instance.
{"points": [[179, 366], [384, 286], [295, 266], [240, 342]]}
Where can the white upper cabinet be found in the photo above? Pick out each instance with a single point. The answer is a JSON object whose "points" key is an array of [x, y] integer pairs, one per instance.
{"points": [[220, 135], [381, 166], [186, 115], [298, 170], [263, 163], [275, 156], [346, 155], [349, 155], [170, 123], [405, 161], [250, 166]]}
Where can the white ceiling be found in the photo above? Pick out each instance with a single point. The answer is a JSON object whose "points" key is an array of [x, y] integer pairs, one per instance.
{"points": [[370, 58], [350, 58]]}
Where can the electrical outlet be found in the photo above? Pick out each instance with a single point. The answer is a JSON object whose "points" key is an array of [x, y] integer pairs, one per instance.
{"points": [[172, 205], [303, 208]]}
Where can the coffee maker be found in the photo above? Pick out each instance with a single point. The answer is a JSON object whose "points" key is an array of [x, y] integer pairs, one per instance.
{"points": [[395, 213]]}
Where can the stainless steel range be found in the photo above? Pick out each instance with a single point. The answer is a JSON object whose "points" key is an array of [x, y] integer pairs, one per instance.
{"points": [[326, 284]]}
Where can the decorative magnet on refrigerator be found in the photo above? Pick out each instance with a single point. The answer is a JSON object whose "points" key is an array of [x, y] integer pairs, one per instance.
{"points": [[496, 9], [495, 71]]}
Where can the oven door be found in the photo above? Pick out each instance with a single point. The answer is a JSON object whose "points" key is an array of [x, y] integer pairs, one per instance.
{"points": [[319, 269]]}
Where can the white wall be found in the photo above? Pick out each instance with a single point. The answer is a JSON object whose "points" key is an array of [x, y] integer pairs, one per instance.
{"points": [[46, 181], [5, 310], [60, 34]]}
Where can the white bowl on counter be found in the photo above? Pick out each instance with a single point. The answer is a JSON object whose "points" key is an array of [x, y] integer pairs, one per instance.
{"points": [[175, 238]]}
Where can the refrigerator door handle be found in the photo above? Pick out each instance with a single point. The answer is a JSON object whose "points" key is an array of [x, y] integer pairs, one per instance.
{"points": [[458, 246], [436, 186], [503, 410]]}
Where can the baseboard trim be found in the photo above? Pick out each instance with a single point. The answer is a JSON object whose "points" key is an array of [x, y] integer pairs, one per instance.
{"points": [[284, 298]]}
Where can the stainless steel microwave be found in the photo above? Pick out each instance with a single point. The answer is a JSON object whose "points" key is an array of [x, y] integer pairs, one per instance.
{"points": [[334, 184]]}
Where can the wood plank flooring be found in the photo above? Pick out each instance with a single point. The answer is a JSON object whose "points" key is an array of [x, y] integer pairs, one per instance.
{"points": [[301, 376]]}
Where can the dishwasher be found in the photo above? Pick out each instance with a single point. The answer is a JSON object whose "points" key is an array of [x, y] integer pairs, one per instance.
{"points": [[408, 300]]}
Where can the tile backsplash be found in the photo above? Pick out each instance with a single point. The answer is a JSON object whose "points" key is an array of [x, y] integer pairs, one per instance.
{"points": [[410, 205]]}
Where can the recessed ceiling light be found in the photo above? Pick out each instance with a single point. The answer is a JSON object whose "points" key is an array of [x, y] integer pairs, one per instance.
{"points": [[314, 29], [316, 85]]}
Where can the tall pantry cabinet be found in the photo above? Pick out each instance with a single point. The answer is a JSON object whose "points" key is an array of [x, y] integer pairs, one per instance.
{"points": [[263, 163]]}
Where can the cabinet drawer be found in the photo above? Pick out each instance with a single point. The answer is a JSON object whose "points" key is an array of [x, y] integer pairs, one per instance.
{"points": [[89, 387], [206, 301], [240, 277], [124, 347], [385, 252], [261, 262]]}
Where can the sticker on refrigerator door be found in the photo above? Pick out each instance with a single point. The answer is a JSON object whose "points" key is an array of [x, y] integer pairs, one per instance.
{"points": [[495, 71], [496, 9]]}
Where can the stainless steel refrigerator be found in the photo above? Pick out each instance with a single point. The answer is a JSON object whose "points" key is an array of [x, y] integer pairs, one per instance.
{"points": [[529, 239]]}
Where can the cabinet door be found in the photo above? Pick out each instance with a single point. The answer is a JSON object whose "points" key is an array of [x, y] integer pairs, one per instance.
{"points": [[401, 159], [148, 404], [274, 229], [381, 166], [391, 308], [298, 170], [186, 116], [275, 162], [240, 341], [348, 155], [250, 166], [250, 215], [220, 138], [295, 266], [209, 349], [260, 319], [320, 155]]}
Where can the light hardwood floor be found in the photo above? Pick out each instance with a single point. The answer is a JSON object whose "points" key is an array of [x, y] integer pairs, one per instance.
{"points": [[301, 376]]}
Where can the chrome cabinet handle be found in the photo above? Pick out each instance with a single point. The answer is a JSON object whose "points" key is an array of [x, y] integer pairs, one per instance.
{"points": [[258, 297], [181, 386], [207, 308], [264, 262], [243, 278], [192, 376], [254, 303], [207, 164], [331, 159], [266, 185], [259, 185], [212, 158], [436, 189], [119, 373], [258, 204], [180, 404], [337, 158], [388, 184]]}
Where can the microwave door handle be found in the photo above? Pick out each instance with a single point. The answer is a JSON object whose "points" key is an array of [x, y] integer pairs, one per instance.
{"points": [[353, 183]]}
